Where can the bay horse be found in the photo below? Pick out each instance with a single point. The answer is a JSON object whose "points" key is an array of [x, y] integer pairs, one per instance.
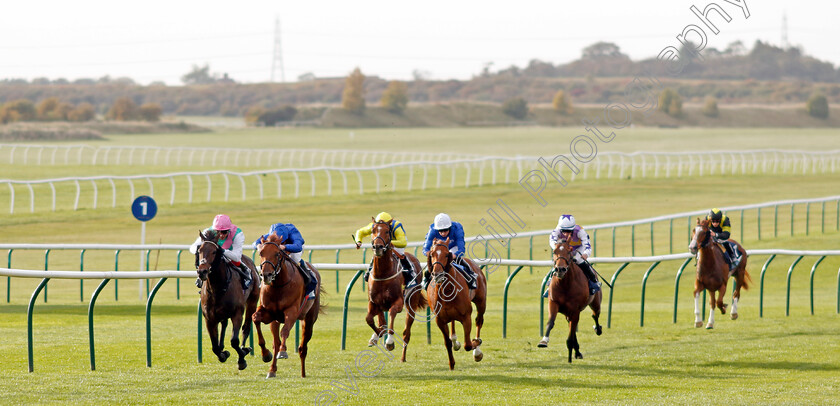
{"points": [[283, 300], [385, 288], [223, 299], [450, 297], [713, 273], [568, 293]]}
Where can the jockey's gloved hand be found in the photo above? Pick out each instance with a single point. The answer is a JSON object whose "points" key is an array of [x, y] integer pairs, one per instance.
{"points": [[578, 258]]}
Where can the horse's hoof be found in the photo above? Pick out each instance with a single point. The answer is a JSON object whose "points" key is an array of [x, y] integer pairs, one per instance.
{"points": [[390, 346], [266, 357], [242, 365], [710, 326], [698, 324], [598, 330], [223, 356], [578, 356], [371, 343], [734, 316], [542, 344], [478, 355], [270, 375], [456, 346], [282, 355]]}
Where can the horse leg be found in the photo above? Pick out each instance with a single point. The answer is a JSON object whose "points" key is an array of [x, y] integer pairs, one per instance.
{"points": [[395, 308], [409, 320], [596, 312], [213, 331], [454, 337], [308, 325], [444, 328], [222, 339], [259, 317], [698, 318], [552, 314], [736, 295], [712, 305], [250, 308], [571, 341], [372, 311], [291, 316], [480, 307], [275, 331], [236, 321], [720, 296]]}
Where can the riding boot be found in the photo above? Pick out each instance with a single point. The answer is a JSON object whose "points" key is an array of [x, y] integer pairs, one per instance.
{"points": [[408, 272], [594, 285], [734, 258], [427, 278], [307, 278], [471, 277], [246, 276], [199, 283]]}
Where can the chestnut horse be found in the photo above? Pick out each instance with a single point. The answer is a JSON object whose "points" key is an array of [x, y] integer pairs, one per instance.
{"points": [[713, 274], [283, 300], [222, 298], [451, 299], [568, 293], [385, 288]]}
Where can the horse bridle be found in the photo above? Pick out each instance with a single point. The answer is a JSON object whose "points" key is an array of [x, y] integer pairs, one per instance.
{"points": [[203, 261], [706, 239], [560, 272], [443, 266], [378, 238], [281, 256]]}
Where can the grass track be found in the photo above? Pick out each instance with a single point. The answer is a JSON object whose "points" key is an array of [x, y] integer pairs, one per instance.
{"points": [[770, 360]]}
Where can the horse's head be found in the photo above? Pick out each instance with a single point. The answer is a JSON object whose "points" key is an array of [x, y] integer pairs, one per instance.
{"points": [[207, 255], [271, 258], [440, 259], [699, 236], [381, 235], [562, 257]]}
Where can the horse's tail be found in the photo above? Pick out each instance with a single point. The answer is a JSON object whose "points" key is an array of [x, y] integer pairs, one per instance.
{"points": [[744, 279], [420, 300], [322, 307]]}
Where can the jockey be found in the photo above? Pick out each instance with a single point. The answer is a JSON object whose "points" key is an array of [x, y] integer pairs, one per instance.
{"points": [[230, 238], [442, 228], [720, 229], [579, 241], [399, 242], [292, 242]]}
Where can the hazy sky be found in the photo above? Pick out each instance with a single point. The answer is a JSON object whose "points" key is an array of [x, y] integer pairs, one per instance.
{"points": [[158, 40]]}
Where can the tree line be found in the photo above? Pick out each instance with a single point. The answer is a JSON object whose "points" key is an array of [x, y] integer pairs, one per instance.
{"points": [[53, 109]]}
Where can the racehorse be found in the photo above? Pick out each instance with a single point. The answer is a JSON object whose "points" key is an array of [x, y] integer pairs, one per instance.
{"points": [[451, 299], [222, 297], [283, 300], [568, 293], [385, 291], [713, 274]]}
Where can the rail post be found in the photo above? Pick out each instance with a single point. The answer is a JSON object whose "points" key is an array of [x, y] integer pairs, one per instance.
{"points": [[814, 269], [612, 290], [149, 321], [677, 286], [505, 302], [344, 316], [644, 285], [787, 295], [761, 286], [90, 322], [29, 311]]}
